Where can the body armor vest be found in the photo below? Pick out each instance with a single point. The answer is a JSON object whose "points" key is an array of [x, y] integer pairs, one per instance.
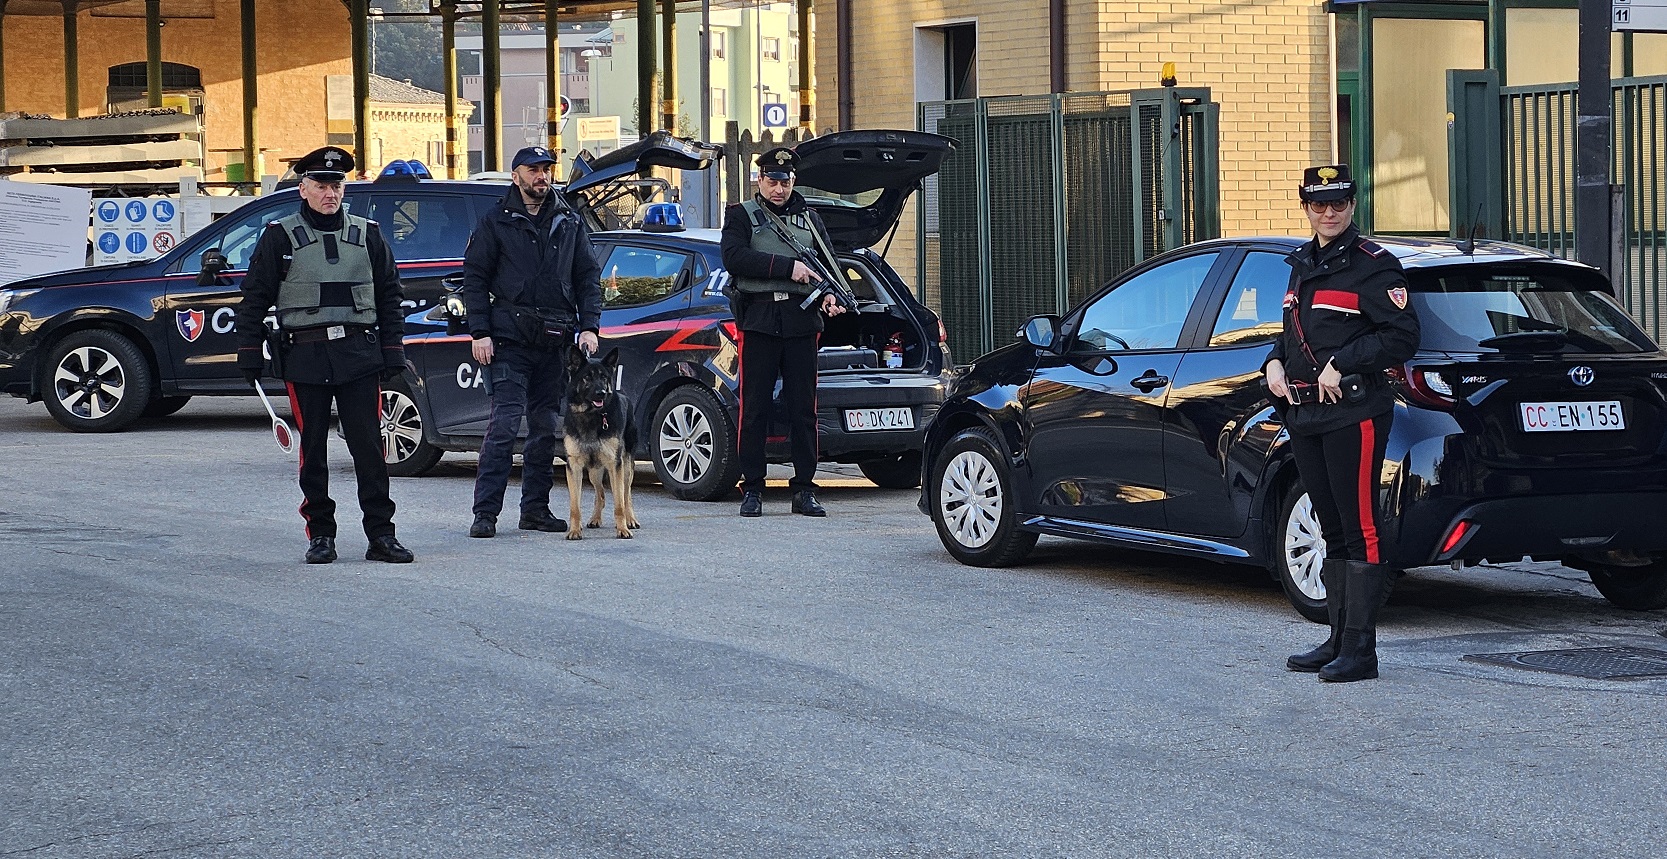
{"points": [[316, 258], [765, 240]]}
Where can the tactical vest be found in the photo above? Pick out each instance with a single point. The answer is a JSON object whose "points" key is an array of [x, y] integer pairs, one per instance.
{"points": [[310, 267], [765, 240]]}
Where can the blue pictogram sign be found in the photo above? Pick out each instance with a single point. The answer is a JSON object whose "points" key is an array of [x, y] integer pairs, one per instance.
{"points": [[109, 242], [137, 242], [775, 115], [136, 211], [163, 210], [109, 211]]}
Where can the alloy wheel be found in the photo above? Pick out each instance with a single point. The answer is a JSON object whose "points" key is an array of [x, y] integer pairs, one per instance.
{"points": [[402, 426], [686, 443], [89, 382]]}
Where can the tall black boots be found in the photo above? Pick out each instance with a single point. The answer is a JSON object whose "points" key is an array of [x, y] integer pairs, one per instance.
{"points": [[1331, 573], [1365, 591]]}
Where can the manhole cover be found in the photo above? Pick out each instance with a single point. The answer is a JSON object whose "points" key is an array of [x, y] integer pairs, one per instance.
{"points": [[1593, 663]]}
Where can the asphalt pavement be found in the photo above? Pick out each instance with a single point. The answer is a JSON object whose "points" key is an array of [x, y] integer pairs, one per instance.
{"points": [[175, 682]]}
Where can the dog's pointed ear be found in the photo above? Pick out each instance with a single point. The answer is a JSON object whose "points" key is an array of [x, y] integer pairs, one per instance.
{"points": [[612, 359], [576, 359]]}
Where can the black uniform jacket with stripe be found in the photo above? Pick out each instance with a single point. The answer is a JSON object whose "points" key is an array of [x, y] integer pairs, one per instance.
{"points": [[1346, 304]]}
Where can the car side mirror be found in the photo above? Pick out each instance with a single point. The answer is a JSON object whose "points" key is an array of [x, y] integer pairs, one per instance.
{"points": [[213, 262], [457, 316], [1040, 331]]}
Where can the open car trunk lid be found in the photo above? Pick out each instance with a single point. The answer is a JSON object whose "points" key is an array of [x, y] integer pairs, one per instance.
{"points": [[606, 189], [858, 181]]}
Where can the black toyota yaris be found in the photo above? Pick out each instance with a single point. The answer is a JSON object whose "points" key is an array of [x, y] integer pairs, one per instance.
{"points": [[1531, 422]]}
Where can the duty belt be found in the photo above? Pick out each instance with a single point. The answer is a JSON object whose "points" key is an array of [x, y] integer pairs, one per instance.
{"points": [[324, 332]]}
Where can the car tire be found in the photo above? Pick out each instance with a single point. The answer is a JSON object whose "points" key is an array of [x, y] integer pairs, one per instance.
{"points": [[692, 443], [901, 471], [404, 448], [1298, 551], [161, 407], [96, 381], [1632, 588], [973, 505]]}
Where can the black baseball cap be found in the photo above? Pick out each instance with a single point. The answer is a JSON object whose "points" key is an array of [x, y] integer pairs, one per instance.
{"points": [[532, 155]]}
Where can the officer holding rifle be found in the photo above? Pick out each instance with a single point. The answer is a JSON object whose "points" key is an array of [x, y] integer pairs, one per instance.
{"points": [[778, 254]]}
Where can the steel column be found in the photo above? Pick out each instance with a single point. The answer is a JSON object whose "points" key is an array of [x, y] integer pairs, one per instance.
{"points": [[359, 25], [448, 50], [552, 81], [1594, 109], [72, 63], [807, 66], [153, 51], [251, 94], [668, 64], [3, 55], [645, 67], [491, 88]]}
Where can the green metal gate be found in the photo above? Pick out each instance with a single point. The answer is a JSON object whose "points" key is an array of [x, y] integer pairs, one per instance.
{"points": [[1513, 160], [1051, 196]]}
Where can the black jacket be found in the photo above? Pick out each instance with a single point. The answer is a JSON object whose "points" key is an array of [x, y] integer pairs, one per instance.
{"points": [[323, 362], [511, 259], [1348, 303], [758, 312]]}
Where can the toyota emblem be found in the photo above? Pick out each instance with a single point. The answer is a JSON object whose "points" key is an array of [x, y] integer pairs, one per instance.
{"points": [[1582, 376]]}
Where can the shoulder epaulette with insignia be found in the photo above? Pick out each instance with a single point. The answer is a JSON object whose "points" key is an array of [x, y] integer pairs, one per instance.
{"points": [[1372, 248]]}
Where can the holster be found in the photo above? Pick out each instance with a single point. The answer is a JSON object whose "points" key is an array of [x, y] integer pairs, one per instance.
{"points": [[275, 349]]}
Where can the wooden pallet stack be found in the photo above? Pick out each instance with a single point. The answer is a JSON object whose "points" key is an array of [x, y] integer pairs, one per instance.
{"points": [[146, 150]]}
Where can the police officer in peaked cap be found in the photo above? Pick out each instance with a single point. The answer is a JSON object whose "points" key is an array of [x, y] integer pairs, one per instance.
{"points": [[778, 335], [1347, 320], [331, 280]]}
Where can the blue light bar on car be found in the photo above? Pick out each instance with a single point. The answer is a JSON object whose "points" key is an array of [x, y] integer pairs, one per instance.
{"points": [[660, 218], [404, 170]]}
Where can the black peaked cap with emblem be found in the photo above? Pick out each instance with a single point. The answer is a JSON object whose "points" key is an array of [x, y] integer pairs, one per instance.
{"points": [[1330, 182], [778, 163], [325, 164]]}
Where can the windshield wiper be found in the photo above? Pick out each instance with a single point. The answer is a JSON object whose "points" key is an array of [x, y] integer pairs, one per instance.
{"points": [[1527, 341]]}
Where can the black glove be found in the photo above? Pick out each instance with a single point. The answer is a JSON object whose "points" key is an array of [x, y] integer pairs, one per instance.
{"points": [[391, 373], [250, 376]]}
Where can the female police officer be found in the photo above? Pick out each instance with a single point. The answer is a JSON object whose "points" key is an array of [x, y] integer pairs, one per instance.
{"points": [[1346, 321]]}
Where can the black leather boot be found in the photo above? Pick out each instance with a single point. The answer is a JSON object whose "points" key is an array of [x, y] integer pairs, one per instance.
{"points": [[1365, 593], [805, 504], [1332, 573]]}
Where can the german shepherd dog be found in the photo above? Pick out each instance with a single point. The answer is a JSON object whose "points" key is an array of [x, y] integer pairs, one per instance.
{"points": [[599, 434]]}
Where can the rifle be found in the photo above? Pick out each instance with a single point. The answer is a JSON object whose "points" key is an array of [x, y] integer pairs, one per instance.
{"points": [[830, 283]]}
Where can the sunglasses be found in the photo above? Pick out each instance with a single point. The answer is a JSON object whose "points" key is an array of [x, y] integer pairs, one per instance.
{"points": [[1320, 206]]}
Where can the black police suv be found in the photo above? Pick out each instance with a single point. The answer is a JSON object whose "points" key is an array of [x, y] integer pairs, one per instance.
{"points": [[883, 368], [106, 346], [1531, 422]]}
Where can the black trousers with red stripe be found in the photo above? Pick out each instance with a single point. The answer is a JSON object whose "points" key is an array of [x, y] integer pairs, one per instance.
{"points": [[1340, 470], [765, 358], [359, 406]]}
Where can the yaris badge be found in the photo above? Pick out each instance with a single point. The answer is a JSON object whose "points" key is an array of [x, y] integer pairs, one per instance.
{"points": [[1582, 376]]}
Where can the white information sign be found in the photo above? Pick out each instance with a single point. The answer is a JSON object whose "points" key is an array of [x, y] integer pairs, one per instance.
{"points": [[1638, 16], [43, 228], [599, 128], [139, 228]]}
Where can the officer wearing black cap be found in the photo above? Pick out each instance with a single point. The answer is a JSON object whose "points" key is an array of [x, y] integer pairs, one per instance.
{"points": [[1347, 320], [333, 284], [778, 336], [533, 288]]}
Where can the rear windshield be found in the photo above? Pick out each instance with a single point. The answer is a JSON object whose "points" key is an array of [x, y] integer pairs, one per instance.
{"points": [[1483, 309]]}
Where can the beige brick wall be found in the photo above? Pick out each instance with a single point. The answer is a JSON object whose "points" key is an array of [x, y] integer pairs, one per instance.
{"points": [[1266, 63], [292, 61]]}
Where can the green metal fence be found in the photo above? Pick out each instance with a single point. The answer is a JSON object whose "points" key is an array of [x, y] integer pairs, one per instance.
{"points": [[1536, 136], [1049, 197]]}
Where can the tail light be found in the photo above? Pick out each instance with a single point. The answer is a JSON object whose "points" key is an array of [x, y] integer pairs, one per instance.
{"points": [[943, 333], [1455, 538], [1425, 386]]}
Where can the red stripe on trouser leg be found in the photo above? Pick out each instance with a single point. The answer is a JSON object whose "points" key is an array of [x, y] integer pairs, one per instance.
{"points": [[740, 387], [1367, 486]]}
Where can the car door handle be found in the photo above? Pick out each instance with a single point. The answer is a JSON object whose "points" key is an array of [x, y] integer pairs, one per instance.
{"points": [[1150, 382]]}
